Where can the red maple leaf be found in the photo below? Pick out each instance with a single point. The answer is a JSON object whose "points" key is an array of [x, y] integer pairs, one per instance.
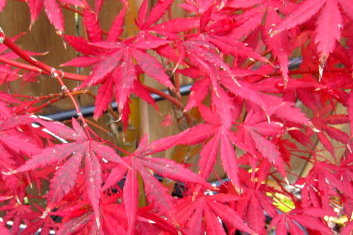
{"points": [[52, 10], [114, 68], [140, 164], [83, 148], [323, 183], [328, 25], [145, 20], [205, 214], [14, 140], [296, 220]]}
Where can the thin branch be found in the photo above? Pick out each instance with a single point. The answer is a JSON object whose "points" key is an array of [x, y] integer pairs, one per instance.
{"points": [[42, 66], [164, 95]]}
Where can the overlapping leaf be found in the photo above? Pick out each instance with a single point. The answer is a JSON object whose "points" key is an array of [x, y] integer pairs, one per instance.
{"points": [[329, 22], [200, 215], [288, 222], [140, 164], [115, 69], [65, 177], [52, 9]]}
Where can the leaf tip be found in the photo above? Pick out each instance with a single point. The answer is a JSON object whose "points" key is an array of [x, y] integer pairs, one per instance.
{"points": [[98, 222], [10, 172], [322, 64], [349, 148], [315, 129], [60, 33], [30, 25], [45, 213]]}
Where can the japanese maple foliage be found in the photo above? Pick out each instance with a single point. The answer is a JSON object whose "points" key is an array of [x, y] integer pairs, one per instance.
{"points": [[252, 108]]}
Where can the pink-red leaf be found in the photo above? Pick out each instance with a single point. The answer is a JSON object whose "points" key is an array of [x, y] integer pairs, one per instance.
{"points": [[214, 226], [104, 67], [75, 224], [304, 12], [152, 67], [50, 155], [115, 176], [94, 182], [170, 169], [90, 20], [35, 7], [209, 156], [104, 96], [64, 179], [157, 12], [117, 26], [131, 199], [269, 151], [54, 14], [328, 29], [229, 161], [157, 193], [229, 216]]}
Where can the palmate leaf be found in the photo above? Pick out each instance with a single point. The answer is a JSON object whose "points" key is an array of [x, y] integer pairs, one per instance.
{"points": [[250, 135], [225, 31], [248, 108], [322, 183], [219, 139], [217, 136], [288, 222], [14, 138], [204, 212], [322, 120], [155, 14], [204, 56], [77, 216], [114, 68], [18, 214], [52, 10], [329, 22], [253, 204], [64, 178], [155, 191]]}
